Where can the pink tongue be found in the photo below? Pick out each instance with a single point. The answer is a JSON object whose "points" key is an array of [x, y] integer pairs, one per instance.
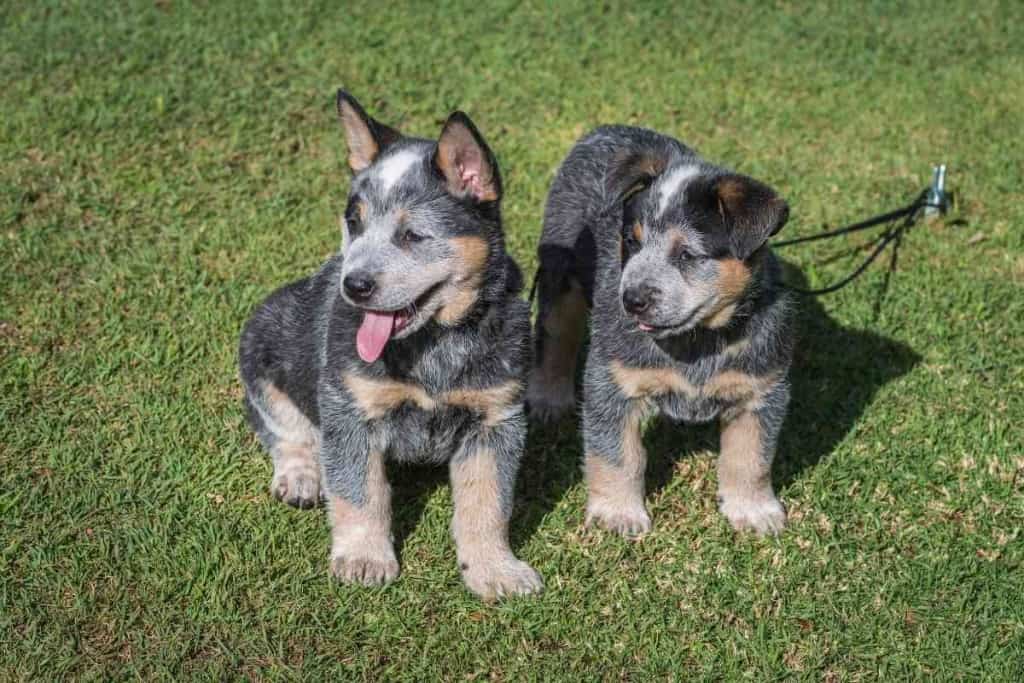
{"points": [[373, 334]]}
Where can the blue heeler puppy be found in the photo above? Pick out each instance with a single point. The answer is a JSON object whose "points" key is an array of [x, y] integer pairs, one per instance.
{"points": [[688, 317], [411, 344]]}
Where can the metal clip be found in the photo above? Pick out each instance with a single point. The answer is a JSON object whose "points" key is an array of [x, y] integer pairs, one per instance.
{"points": [[938, 199]]}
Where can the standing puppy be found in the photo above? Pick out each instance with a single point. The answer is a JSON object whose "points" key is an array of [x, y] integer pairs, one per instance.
{"points": [[688, 317], [411, 345]]}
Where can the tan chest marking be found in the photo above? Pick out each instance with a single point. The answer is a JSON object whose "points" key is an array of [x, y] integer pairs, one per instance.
{"points": [[730, 385], [376, 398]]}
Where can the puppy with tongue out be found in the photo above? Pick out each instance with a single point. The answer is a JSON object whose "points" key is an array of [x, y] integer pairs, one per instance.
{"points": [[411, 344]]}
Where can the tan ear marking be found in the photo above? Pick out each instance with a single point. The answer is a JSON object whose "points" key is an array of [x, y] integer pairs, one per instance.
{"points": [[734, 277], [362, 148], [465, 161]]}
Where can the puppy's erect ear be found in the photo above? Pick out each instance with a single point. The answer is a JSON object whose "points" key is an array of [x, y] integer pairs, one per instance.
{"points": [[466, 161], [366, 137], [751, 211]]}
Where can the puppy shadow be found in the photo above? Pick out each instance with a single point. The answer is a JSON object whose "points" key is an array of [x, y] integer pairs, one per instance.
{"points": [[551, 466], [836, 373], [412, 485]]}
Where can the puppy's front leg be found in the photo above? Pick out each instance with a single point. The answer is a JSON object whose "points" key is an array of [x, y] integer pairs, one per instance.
{"points": [[483, 476], [615, 459], [748, 440], [358, 503]]}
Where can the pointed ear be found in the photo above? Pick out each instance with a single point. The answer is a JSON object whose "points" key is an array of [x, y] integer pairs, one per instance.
{"points": [[365, 136], [466, 162], [751, 210]]}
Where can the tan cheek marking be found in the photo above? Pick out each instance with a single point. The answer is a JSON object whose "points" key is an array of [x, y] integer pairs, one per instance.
{"points": [[494, 403], [471, 259], [479, 526], [472, 255], [733, 279], [376, 398], [645, 382], [458, 305], [363, 210], [638, 232]]}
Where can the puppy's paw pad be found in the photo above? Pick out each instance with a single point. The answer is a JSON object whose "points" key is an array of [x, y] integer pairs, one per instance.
{"points": [[298, 487], [762, 516], [368, 571], [502, 579], [629, 523]]}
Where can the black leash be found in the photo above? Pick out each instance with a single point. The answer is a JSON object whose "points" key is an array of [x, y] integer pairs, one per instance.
{"points": [[933, 198], [909, 215]]}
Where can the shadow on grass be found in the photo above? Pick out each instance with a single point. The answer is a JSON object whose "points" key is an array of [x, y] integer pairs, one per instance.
{"points": [[835, 375]]}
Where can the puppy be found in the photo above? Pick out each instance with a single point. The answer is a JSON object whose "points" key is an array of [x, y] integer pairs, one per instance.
{"points": [[689, 319], [410, 345]]}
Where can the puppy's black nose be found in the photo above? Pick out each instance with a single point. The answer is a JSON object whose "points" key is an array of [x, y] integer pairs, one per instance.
{"points": [[636, 300], [359, 286]]}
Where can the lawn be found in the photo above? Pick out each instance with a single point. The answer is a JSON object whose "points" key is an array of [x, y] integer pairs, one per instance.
{"points": [[164, 166]]}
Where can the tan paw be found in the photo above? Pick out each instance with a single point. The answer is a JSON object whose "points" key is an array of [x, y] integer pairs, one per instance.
{"points": [[630, 522], [366, 568], [504, 578], [762, 515], [296, 484]]}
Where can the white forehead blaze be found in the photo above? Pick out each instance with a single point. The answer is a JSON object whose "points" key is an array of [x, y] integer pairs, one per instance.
{"points": [[390, 170], [674, 181]]}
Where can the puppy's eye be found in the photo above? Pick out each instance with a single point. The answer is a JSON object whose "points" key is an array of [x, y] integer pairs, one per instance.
{"points": [[632, 237], [410, 237], [354, 218]]}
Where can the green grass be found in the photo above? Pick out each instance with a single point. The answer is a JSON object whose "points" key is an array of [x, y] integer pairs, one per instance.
{"points": [[163, 167]]}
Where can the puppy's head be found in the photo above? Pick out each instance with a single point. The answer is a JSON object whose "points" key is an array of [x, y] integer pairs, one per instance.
{"points": [[690, 240], [421, 228]]}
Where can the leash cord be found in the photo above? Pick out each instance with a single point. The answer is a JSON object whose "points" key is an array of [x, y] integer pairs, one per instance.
{"points": [[909, 215]]}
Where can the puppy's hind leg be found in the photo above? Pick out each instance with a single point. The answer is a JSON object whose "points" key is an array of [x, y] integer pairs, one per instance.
{"points": [[293, 442], [561, 324]]}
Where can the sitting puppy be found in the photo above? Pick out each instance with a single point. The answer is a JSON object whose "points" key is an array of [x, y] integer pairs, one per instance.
{"points": [[688, 317], [411, 345]]}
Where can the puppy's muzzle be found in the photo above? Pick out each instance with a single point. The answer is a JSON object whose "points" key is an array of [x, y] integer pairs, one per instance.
{"points": [[359, 286], [638, 299]]}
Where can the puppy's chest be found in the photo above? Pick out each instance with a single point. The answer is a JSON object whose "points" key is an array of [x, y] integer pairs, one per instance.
{"points": [[693, 395], [420, 418]]}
